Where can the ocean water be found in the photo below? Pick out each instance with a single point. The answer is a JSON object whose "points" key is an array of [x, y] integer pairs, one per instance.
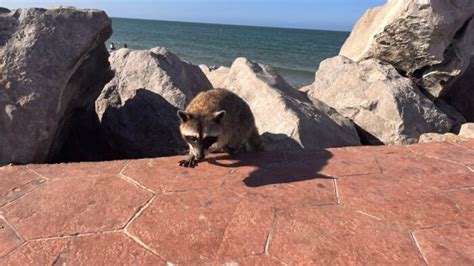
{"points": [[294, 53]]}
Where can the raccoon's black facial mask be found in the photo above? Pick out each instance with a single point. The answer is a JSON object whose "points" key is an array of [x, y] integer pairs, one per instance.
{"points": [[201, 143], [208, 141]]}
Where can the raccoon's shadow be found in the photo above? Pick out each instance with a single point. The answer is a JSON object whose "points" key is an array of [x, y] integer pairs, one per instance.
{"points": [[270, 168]]}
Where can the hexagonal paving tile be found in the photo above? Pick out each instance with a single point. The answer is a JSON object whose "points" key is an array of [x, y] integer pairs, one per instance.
{"points": [[428, 171], [446, 151], [247, 231], [62, 170], [410, 164], [331, 235], [76, 205], [8, 238], [447, 245], [261, 260], [202, 226], [283, 185], [16, 182], [337, 162], [165, 175], [464, 198], [468, 144], [100, 249], [397, 200], [440, 180]]}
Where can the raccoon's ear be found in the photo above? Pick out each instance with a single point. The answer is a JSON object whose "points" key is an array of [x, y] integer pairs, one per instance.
{"points": [[218, 116], [184, 116]]}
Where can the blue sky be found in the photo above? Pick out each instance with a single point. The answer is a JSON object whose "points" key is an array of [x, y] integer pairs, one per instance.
{"points": [[313, 14]]}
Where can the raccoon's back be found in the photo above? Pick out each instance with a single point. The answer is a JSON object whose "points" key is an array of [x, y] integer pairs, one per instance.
{"points": [[219, 99], [239, 117]]}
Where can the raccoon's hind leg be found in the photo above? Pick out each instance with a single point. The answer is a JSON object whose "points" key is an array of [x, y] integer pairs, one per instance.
{"points": [[255, 142], [231, 150]]}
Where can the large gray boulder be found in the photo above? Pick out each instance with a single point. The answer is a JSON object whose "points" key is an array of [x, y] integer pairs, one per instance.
{"points": [[42, 78], [460, 94], [285, 117], [156, 70], [137, 109], [140, 124], [429, 41], [387, 107]]}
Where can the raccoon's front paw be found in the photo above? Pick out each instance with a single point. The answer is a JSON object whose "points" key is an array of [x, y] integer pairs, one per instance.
{"points": [[189, 162]]}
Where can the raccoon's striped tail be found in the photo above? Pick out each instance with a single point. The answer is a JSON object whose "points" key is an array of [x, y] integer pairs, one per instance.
{"points": [[255, 142]]}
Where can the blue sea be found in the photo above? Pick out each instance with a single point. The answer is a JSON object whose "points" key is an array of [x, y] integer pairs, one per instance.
{"points": [[294, 53]]}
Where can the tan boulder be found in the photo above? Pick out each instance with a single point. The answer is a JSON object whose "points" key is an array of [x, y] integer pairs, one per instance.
{"points": [[436, 137], [215, 75], [387, 107], [467, 130], [429, 41], [285, 117]]}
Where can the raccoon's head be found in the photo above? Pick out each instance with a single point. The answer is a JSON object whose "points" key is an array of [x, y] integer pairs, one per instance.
{"points": [[201, 132]]}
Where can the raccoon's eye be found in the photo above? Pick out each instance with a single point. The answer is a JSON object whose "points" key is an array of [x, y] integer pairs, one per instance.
{"points": [[191, 138]]}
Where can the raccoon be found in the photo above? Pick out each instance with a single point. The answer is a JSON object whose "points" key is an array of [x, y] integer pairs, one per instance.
{"points": [[217, 120]]}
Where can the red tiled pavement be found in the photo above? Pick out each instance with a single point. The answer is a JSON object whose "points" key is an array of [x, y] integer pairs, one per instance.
{"points": [[17, 182], [336, 235], [367, 205], [447, 245], [79, 205], [9, 238], [399, 201], [464, 198], [98, 249]]}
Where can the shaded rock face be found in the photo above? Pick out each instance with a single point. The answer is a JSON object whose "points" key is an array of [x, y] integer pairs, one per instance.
{"points": [[143, 125], [137, 109], [429, 41], [387, 108], [285, 117], [156, 70], [41, 54], [460, 94], [81, 138]]}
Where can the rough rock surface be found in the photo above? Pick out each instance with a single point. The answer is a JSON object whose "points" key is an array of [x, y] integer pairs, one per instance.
{"points": [[460, 94], [428, 40], [467, 130], [216, 75], [158, 71], [386, 107], [137, 108], [41, 54], [285, 117], [436, 137], [141, 124]]}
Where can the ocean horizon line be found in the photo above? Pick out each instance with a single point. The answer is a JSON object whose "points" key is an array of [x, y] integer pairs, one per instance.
{"points": [[234, 25]]}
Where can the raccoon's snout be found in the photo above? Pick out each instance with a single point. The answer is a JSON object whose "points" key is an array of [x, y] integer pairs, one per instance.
{"points": [[199, 153]]}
